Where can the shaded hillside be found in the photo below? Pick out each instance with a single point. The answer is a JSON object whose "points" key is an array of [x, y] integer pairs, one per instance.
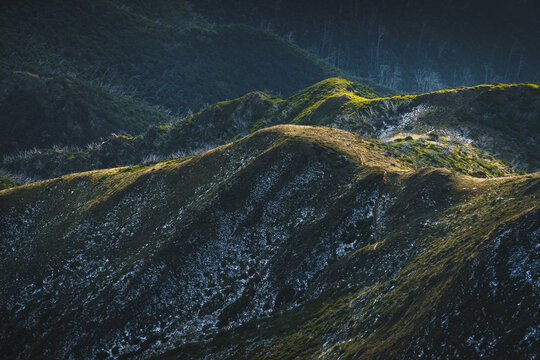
{"points": [[45, 111], [6, 183], [161, 53], [419, 45], [292, 242], [481, 131]]}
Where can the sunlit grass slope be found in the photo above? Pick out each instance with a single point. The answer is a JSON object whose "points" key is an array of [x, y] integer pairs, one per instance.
{"points": [[484, 131]]}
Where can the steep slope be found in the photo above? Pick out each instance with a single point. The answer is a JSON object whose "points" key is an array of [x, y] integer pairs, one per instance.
{"points": [[294, 242], [161, 53], [40, 112], [489, 130]]}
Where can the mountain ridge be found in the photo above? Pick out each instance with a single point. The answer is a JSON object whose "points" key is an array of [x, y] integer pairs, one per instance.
{"points": [[257, 207], [488, 130], [304, 214]]}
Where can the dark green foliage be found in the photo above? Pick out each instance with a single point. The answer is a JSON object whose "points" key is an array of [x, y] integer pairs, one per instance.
{"points": [[6, 183], [177, 67], [45, 111], [176, 13]]}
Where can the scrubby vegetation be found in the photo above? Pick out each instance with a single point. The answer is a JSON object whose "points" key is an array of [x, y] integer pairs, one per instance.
{"points": [[481, 131], [450, 154], [292, 242], [6, 183], [44, 112]]}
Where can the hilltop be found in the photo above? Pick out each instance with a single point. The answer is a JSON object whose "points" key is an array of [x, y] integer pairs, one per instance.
{"points": [[295, 241], [487, 130]]}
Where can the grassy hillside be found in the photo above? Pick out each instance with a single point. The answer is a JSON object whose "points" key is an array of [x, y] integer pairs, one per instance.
{"points": [[294, 242], [503, 120], [307, 215], [489, 130], [161, 53]]}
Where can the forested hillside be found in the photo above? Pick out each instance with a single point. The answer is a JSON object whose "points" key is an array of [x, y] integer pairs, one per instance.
{"points": [[160, 54], [408, 45]]}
